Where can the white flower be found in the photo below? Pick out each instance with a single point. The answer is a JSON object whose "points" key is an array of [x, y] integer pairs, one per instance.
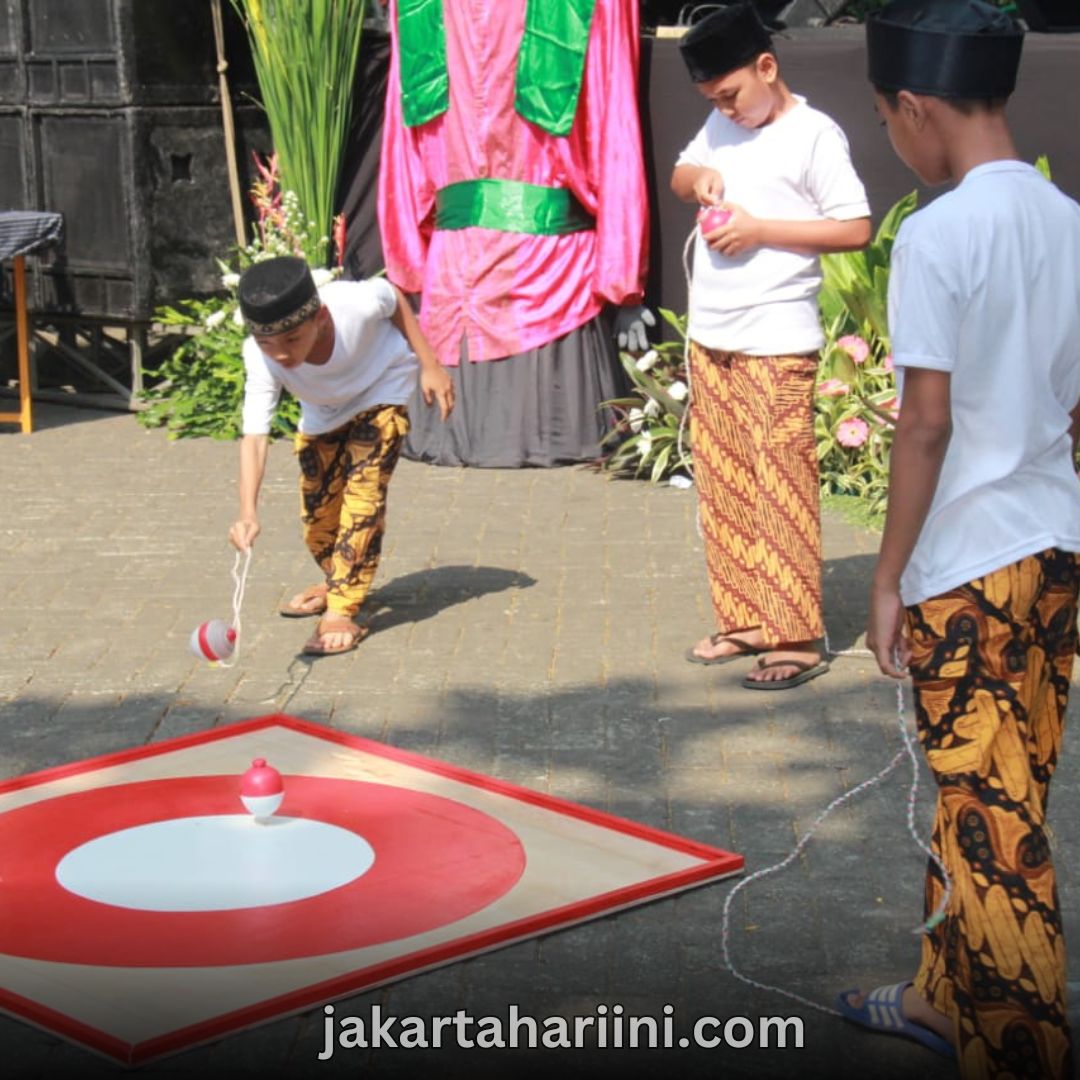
{"points": [[678, 390], [682, 482], [215, 318], [238, 317], [637, 419], [652, 407], [230, 280], [646, 361], [645, 443], [322, 277]]}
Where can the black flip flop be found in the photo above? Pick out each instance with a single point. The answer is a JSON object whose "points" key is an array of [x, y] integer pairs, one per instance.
{"points": [[806, 673]]}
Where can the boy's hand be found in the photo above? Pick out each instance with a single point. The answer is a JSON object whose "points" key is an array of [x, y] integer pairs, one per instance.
{"points": [[885, 634], [708, 187], [243, 532], [741, 232], [436, 385]]}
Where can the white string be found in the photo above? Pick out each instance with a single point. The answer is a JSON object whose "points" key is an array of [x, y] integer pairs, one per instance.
{"points": [[683, 455], [866, 785], [240, 582], [873, 781]]}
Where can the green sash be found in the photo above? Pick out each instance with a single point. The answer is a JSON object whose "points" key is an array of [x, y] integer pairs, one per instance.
{"points": [[510, 206], [425, 85], [550, 63]]}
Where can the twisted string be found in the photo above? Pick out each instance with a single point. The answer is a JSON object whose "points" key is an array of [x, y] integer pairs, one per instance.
{"points": [[240, 584], [908, 750]]}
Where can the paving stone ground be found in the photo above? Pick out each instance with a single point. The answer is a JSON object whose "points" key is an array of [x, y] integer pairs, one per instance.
{"points": [[526, 624]]}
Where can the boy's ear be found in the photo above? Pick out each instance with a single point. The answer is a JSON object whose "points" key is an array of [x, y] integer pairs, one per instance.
{"points": [[767, 67], [912, 108]]}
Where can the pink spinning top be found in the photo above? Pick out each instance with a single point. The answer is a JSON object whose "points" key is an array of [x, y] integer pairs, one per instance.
{"points": [[712, 217]]}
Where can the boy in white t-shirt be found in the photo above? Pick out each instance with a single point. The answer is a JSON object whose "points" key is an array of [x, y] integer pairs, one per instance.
{"points": [[350, 354], [782, 171], [975, 590]]}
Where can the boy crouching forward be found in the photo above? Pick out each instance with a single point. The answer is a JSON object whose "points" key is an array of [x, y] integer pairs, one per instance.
{"points": [[351, 353]]}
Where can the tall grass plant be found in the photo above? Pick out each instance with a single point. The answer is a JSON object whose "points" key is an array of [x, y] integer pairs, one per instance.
{"points": [[305, 54]]}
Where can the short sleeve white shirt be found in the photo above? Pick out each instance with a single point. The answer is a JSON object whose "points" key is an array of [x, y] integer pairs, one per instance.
{"points": [[798, 168], [985, 285], [371, 364]]}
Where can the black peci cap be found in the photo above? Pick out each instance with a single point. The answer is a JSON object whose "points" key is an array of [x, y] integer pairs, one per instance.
{"points": [[944, 48], [277, 294], [723, 41]]}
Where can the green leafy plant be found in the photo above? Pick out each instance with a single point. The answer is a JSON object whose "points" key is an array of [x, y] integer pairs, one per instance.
{"points": [[201, 387], [305, 54], [649, 437], [855, 404]]}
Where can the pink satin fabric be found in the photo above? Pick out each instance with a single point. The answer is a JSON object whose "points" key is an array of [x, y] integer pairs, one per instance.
{"points": [[505, 293]]}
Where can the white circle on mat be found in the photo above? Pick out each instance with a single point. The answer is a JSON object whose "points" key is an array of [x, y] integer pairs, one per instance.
{"points": [[216, 863]]}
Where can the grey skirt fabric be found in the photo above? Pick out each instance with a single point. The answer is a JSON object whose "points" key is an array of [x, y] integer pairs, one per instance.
{"points": [[539, 408]]}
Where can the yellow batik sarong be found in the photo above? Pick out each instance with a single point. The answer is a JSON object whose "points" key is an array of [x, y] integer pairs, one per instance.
{"points": [[755, 468], [344, 475], [991, 663]]}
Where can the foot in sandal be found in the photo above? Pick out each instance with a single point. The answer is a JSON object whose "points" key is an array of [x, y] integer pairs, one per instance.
{"points": [[335, 634], [312, 601]]}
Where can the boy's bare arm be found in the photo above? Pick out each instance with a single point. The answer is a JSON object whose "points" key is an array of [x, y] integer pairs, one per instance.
{"points": [[923, 430], [435, 382], [743, 232], [252, 469], [1074, 427], [697, 184]]}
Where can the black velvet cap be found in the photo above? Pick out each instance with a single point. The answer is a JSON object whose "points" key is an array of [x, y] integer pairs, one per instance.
{"points": [[723, 41], [944, 48], [277, 294]]}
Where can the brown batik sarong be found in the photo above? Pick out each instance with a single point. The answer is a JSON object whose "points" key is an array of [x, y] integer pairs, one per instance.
{"points": [[991, 663], [344, 476], [755, 467]]}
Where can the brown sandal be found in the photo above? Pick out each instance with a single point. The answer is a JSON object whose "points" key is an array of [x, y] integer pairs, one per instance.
{"points": [[312, 601], [315, 647]]}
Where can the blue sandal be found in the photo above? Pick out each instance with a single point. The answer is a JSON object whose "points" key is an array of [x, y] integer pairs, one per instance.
{"points": [[882, 1012]]}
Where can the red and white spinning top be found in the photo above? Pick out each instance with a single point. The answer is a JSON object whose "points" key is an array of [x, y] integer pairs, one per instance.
{"points": [[261, 789], [213, 640]]}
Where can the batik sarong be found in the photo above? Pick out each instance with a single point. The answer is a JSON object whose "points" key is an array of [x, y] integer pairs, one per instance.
{"points": [[344, 475], [991, 663], [755, 467]]}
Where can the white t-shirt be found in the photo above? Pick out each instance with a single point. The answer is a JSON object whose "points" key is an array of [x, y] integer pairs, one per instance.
{"points": [[985, 285], [371, 364], [764, 302]]}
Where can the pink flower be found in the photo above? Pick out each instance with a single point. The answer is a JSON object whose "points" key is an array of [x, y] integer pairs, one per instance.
{"points": [[833, 388], [852, 432], [891, 407], [855, 347], [887, 363]]}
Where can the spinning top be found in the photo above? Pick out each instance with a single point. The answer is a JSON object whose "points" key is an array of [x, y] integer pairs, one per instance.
{"points": [[712, 217], [261, 789], [214, 640]]}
